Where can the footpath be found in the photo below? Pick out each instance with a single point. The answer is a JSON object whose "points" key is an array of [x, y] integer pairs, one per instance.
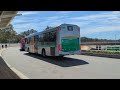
{"points": [[5, 71]]}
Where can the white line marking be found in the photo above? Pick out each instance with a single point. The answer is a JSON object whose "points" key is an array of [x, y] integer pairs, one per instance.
{"points": [[19, 73], [22, 76], [76, 66]]}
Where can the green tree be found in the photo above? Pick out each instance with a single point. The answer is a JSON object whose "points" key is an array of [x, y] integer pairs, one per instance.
{"points": [[7, 34], [28, 32]]}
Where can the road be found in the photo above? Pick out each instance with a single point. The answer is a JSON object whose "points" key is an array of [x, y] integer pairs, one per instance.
{"points": [[70, 67]]}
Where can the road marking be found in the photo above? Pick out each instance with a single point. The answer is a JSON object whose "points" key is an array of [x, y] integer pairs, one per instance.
{"points": [[7, 64], [76, 66], [22, 76]]}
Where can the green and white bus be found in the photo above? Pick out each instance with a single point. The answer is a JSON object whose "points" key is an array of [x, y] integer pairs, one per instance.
{"points": [[58, 41]]}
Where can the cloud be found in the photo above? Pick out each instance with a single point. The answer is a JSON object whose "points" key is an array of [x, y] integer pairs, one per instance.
{"points": [[29, 12], [116, 12], [65, 12], [18, 21], [91, 17], [53, 17], [36, 18], [80, 24], [101, 19], [106, 15], [56, 17], [93, 30], [89, 23], [30, 19]]}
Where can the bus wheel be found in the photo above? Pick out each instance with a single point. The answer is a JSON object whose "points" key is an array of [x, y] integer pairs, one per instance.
{"points": [[60, 56], [43, 53], [28, 51]]}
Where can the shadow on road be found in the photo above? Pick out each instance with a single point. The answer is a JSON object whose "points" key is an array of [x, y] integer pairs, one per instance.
{"points": [[6, 72], [63, 62], [21, 50]]}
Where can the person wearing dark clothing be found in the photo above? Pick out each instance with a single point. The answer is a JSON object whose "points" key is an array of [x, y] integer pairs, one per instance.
{"points": [[2, 46], [5, 45]]}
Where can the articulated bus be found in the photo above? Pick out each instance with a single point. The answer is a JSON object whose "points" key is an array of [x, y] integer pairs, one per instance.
{"points": [[58, 41]]}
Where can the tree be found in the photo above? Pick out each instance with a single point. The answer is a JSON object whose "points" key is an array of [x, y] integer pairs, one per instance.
{"points": [[28, 32], [86, 39], [7, 34]]}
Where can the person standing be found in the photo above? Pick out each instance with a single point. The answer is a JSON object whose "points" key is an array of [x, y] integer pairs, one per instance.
{"points": [[5, 45], [2, 46]]}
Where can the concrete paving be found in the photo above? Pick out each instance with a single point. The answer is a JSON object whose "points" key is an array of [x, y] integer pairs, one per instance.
{"points": [[70, 67], [5, 71]]}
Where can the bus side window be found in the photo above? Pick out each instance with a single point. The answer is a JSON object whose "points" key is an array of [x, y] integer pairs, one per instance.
{"points": [[28, 41], [36, 38], [53, 36], [41, 39], [46, 37], [25, 40], [50, 37]]}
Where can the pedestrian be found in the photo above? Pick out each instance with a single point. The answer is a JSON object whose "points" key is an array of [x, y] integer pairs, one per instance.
{"points": [[5, 45], [2, 46]]}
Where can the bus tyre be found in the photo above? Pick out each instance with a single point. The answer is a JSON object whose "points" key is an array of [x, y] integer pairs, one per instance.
{"points": [[43, 53], [28, 51]]}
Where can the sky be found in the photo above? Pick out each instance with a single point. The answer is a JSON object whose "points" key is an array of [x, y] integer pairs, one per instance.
{"points": [[93, 24]]}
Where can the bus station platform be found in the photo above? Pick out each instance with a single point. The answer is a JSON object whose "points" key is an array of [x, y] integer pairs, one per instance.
{"points": [[5, 71]]}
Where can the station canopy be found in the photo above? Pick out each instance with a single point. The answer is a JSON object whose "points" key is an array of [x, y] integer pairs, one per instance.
{"points": [[6, 17]]}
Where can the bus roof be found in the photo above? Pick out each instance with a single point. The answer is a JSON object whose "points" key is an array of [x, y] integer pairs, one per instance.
{"points": [[68, 24], [44, 31], [33, 34]]}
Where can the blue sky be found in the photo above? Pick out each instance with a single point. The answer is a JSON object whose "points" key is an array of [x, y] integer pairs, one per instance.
{"points": [[94, 24]]}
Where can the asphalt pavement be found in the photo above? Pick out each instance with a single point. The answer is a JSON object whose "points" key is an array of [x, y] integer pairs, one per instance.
{"points": [[34, 66]]}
